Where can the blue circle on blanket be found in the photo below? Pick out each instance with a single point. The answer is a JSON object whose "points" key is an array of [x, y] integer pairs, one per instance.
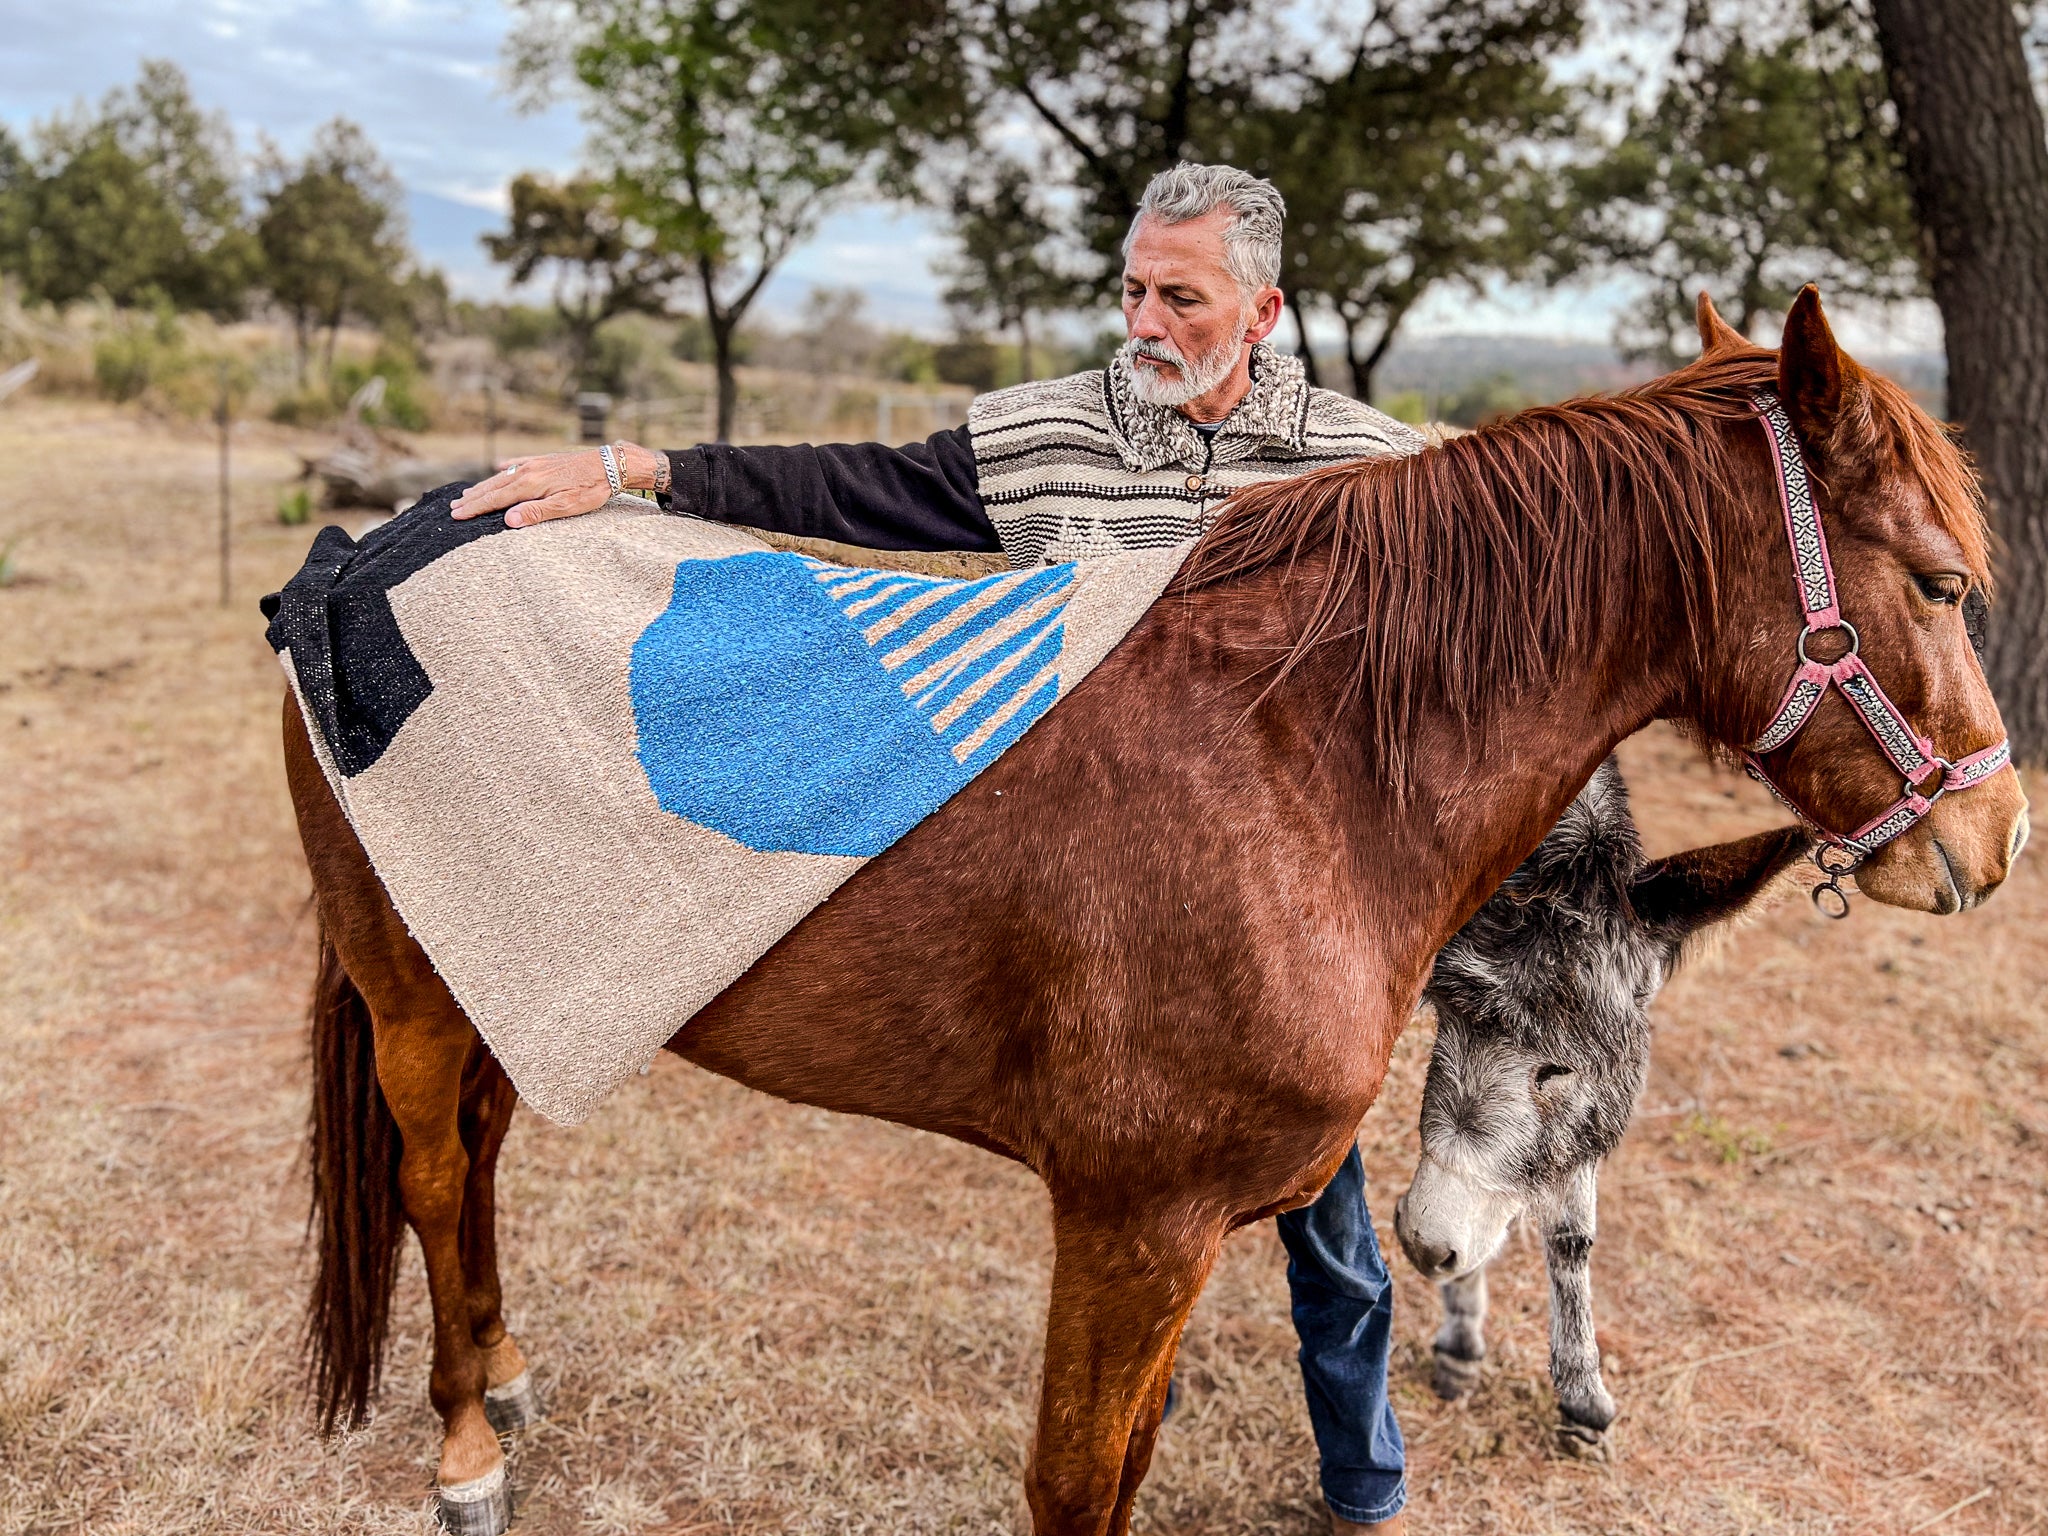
{"points": [[767, 712]]}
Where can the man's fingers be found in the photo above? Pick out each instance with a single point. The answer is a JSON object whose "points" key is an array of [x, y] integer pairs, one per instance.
{"points": [[532, 479], [569, 503], [502, 490]]}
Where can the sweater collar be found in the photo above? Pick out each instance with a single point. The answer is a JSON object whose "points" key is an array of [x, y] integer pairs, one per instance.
{"points": [[1149, 437]]}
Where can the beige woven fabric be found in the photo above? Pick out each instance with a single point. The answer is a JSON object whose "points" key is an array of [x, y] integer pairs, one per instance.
{"points": [[578, 923]]}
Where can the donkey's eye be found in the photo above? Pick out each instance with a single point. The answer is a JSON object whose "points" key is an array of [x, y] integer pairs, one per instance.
{"points": [[1549, 1072], [1945, 588]]}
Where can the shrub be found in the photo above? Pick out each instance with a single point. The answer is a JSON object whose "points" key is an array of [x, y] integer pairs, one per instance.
{"points": [[295, 507], [402, 405], [136, 351]]}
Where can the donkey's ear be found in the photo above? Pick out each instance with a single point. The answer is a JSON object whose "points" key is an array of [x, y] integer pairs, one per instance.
{"points": [[1817, 380], [1716, 334], [1679, 896]]}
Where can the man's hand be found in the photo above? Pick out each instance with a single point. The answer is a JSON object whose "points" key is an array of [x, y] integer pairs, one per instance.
{"points": [[538, 487]]}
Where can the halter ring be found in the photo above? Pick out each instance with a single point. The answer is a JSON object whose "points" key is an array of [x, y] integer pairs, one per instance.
{"points": [[1831, 902], [1838, 907], [1855, 640], [1941, 767]]}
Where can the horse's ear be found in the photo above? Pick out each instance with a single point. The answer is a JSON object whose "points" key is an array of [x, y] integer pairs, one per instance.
{"points": [[1817, 380], [1716, 334], [1679, 896]]}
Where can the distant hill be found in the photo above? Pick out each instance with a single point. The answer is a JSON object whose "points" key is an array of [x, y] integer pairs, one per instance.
{"points": [[1440, 369]]}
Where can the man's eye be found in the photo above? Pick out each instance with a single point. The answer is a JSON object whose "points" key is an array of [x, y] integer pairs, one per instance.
{"points": [[1945, 588]]}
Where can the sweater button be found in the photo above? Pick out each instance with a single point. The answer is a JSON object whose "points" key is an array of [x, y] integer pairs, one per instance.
{"points": [[1194, 482]]}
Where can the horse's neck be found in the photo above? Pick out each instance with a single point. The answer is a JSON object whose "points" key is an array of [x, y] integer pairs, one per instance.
{"points": [[1473, 803]]}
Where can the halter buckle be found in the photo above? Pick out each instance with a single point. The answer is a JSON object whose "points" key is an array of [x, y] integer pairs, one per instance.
{"points": [[1941, 768], [1807, 631]]}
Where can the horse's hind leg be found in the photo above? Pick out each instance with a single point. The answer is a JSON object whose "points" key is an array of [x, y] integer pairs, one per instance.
{"points": [[421, 1061], [424, 1048], [511, 1402], [1121, 1293], [1460, 1345], [1582, 1398]]}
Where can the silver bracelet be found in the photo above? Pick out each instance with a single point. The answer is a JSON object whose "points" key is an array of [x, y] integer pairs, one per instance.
{"points": [[611, 468]]}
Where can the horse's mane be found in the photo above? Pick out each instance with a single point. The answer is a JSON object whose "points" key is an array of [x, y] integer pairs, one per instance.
{"points": [[1469, 572]]}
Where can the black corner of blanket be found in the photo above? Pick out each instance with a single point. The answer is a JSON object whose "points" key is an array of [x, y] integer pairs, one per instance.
{"points": [[356, 673]]}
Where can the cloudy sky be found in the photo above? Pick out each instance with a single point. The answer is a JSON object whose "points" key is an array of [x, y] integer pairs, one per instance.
{"points": [[423, 77]]}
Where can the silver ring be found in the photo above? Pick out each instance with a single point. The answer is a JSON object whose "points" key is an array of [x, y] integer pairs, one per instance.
{"points": [[1855, 641]]}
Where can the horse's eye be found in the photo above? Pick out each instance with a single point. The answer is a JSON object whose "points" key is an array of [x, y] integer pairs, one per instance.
{"points": [[1549, 1072], [1945, 588]]}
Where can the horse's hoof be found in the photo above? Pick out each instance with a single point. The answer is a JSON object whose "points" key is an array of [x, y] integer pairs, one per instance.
{"points": [[1582, 1442], [479, 1508], [1453, 1376], [514, 1406]]}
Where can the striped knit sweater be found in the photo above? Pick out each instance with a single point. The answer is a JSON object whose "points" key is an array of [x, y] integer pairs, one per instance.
{"points": [[1078, 466]]}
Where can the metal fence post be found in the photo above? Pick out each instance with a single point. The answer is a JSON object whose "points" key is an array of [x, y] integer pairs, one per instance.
{"points": [[222, 416]]}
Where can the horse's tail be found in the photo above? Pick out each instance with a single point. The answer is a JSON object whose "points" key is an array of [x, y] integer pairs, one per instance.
{"points": [[357, 1220]]}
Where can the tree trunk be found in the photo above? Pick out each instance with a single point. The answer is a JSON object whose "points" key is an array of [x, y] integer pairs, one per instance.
{"points": [[1363, 373], [1024, 374], [1307, 354], [728, 383], [1977, 160]]}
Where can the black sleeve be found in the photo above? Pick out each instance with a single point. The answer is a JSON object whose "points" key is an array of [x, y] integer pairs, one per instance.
{"points": [[921, 496]]}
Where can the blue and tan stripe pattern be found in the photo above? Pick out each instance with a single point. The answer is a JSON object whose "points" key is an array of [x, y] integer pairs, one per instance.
{"points": [[1073, 468], [979, 660]]}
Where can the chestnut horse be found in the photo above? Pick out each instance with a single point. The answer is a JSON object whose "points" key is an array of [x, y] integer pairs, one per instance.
{"points": [[1160, 951]]}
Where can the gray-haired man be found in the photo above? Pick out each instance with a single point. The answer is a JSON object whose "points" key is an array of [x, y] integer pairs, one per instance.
{"points": [[1133, 456]]}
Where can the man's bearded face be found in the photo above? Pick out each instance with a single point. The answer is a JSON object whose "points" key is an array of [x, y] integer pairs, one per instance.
{"points": [[1191, 378], [1184, 312]]}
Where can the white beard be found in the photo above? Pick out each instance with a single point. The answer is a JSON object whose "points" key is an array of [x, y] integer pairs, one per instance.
{"points": [[1196, 378]]}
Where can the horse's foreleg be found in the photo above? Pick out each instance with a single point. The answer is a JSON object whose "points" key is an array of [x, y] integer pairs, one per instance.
{"points": [[421, 1057], [511, 1401], [1121, 1292], [1582, 1398], [1460, 1344]]}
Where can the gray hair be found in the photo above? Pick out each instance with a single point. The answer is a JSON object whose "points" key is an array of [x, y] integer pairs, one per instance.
{"points": [[1251, 244]]}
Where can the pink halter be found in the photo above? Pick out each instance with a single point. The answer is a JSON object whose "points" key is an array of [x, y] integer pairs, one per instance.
{"points": [[1910, 752]]}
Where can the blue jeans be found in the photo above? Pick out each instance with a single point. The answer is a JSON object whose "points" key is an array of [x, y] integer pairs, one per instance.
{"points": [[1344, 1313]]}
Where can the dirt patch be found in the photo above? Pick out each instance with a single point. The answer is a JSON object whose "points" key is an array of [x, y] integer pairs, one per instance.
{"points": [[1822, 1271]]}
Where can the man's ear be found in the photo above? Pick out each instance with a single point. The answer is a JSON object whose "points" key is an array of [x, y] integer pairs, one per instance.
{"points": [[1678, 896], [1817, 380], [1716, 334], [1265, 315]]}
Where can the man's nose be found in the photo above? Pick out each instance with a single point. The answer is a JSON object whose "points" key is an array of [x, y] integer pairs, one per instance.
{"points": [[1148, 321]]}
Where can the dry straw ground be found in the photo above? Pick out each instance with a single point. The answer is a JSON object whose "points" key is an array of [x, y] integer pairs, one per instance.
{"points": [[1821, 1266]]}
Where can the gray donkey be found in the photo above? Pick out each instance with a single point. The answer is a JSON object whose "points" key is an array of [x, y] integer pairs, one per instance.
{"points": [[1542, 1046]]}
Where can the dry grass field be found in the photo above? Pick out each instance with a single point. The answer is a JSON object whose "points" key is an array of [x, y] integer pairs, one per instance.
{"points": [[1822, 1271]]}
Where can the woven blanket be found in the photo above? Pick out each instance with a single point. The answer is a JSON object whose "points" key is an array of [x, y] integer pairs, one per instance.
{"points": [[603, 764]]}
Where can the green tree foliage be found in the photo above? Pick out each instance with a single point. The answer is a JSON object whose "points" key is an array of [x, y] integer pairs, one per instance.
{"points": [[1427, 159], [731, 126], [332, 235], [1403, 135], [1760, 166], [1008, 271], [1121, 91], [137, 201], [598, 262]]}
